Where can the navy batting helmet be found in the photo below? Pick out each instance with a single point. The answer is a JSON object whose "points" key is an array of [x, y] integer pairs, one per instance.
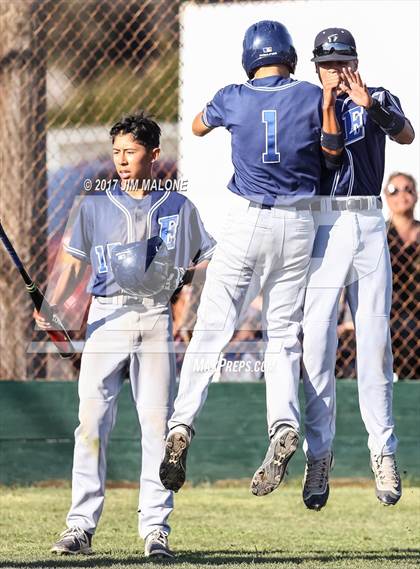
{"points": [[334, 44], [267, 43], [142, 268]]}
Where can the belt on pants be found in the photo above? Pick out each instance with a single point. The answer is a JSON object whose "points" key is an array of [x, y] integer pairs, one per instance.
{"points": [[347, 204], [330, 204], [125, 300], [301, 206]]}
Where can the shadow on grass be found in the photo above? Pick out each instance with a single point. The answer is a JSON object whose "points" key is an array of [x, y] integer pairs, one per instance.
{"points": [[219, 557]]}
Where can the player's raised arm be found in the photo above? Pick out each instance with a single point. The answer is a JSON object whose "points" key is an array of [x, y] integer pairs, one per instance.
{"points": [[198, 126], [332, 141], [391, 120], [406, 136], [212, 116]]}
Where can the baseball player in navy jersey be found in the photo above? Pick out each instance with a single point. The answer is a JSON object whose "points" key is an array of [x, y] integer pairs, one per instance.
{"points": [[350, 251], [275, 123], [126, 332]]}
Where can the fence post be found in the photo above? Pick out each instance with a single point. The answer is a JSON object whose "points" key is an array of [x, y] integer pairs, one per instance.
{"points": [[23, 181]]}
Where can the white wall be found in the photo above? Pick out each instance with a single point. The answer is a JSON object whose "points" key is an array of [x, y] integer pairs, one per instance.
{"points": [[387, 38]]}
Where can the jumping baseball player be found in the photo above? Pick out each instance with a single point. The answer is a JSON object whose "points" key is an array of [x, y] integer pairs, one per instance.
{"points": [[275, 123], [129, 333], [350, 251]]}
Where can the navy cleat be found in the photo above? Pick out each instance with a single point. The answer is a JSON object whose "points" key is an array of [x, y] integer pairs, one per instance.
{"points": [[316, 488], [73, 541]]}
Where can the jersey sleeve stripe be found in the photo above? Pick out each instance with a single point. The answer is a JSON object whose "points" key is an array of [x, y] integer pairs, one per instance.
{"points": [[75, 252], [379, 95], [204, 118], [206, 255], [395, 103]]}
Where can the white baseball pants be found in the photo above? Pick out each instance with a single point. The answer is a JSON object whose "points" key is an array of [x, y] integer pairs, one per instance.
{"points": [[138, 337], [258, 249], [351, 251]]}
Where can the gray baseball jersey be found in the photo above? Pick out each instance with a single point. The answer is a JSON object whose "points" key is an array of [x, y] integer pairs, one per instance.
{"points": [[125, 338]]}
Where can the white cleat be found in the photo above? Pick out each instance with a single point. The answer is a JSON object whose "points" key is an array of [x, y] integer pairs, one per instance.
{"points": [[387, 478], [156, 545]]}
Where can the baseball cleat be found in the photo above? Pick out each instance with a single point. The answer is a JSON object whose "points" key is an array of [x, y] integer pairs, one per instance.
{"points": [[387, 478], [173, 468], [156, 545], [315, 481], [270, 474], [73, 541]]}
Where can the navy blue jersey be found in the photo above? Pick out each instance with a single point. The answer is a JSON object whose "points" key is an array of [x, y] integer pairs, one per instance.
{"points": [[275, 123], [363, 165], [111, 218]]}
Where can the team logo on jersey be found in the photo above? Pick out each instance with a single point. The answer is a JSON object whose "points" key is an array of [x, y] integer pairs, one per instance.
{"points": [[354, 125], [168, 229]]}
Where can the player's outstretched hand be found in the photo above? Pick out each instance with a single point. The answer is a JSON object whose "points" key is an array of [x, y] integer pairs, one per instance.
{"points": [[352, 84]]}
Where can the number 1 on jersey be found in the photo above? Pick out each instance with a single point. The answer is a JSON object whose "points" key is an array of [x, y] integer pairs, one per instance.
{"points": [[271, 155]]}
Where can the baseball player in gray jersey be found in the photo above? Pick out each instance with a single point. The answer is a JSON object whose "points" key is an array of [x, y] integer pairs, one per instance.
{"points": [[133, 331], [350, 250]]}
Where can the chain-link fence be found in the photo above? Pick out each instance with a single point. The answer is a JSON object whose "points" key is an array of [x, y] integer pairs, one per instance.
{"points": [[405, 314], [68, 70]]}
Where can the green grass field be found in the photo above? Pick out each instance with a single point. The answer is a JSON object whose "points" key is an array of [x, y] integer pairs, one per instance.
{"points": [[229, 527]]}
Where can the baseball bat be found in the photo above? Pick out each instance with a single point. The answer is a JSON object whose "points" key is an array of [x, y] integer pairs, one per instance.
{"points": [[60, 336]]}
